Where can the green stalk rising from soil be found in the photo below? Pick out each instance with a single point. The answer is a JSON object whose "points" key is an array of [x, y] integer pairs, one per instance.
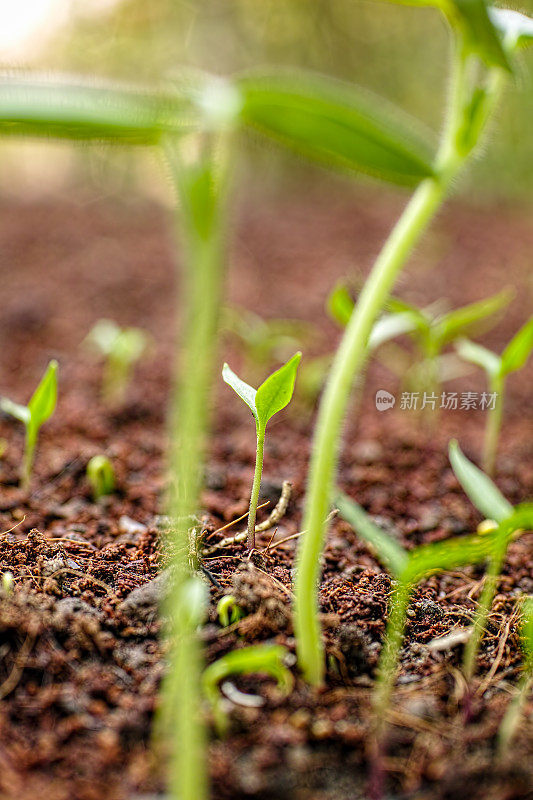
{"points": [[457, 143]]}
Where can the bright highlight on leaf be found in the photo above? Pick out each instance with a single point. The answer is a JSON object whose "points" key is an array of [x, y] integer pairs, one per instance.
{"points": [[39, 409], [272, 396], [336, 124]]}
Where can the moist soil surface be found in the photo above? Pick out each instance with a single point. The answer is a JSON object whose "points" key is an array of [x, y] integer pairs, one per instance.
{"points": [[81, 657]]}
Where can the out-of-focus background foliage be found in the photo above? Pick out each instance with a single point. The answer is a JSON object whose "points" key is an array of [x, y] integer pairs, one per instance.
{"points": [[398, 51]]}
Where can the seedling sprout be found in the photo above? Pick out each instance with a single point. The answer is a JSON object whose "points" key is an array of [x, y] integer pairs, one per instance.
{"points": [[101, 476], [39, 409], [228, 611], [498, 368], [272, 396], [121, 349]]}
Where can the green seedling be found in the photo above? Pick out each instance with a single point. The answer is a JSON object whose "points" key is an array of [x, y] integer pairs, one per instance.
{"points": [[333, 125], [228, 611], [408, 568], [121, 348], [512, 716], [264, 658], [272, 396], [101, 476], [264, 341], [431, 329], [488, 499], [39, 409], [497, 368]]}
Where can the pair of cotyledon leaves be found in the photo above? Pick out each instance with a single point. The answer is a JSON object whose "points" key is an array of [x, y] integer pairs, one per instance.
{"points": [[329, 121], [411, 566], [272, 396]]}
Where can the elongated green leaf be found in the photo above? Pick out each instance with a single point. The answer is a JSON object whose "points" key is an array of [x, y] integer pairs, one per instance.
{"points": [[340, 304], [392, 555], [336, 124], [72, 108], [464, 319], [516, 28], [244, 390], [519, 349], [44, 398], [450, 554], [276, 392], [482, 492], [479, 355]]}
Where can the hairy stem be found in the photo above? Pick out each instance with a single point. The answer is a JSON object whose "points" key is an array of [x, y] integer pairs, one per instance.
{"points": [[494, 422], [348, 363], [254, 497]]}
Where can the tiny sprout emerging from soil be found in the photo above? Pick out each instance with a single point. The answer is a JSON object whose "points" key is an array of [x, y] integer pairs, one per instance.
{"points": [[510, 522], [228, 611], [39, 409], [7, 582], [121, 348], [272, 396], [497, 368], [511, 719], [264, 658], [101, 476]]}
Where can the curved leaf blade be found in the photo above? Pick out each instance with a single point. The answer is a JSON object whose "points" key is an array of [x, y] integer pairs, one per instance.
{"points": [[479, 355], [72, 108], [244, 390], [449, 554], [519, 349], [335, 124], [479, 488], [43, 401], [465, 319], [276, 392]]}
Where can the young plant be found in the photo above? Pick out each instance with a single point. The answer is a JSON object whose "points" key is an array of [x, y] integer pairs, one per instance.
{"points": [[121, 348], [335, 124], [272, 396], [263, 658], [101, 476], [39, 409], [512, 716], [431, 329], [228, 611], [408, 568], [497, 369], [488, 499]]}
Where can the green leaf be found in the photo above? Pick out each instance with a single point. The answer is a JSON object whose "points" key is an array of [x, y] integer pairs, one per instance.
{"points": [[44, 398], [16, 410], [479, 355], [244, 390], [482, 492], [450, 554], [276, 392], [339, 304], [47, 105], [516, 28], [519, 349], [392, 555], [336, 124], [464, 319]]}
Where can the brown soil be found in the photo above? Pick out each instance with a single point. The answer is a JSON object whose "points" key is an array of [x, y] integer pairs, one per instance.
{"points": [[80, 657]]}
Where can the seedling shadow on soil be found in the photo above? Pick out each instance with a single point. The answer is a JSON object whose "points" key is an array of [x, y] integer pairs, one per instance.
{"points": [[81, 657]]}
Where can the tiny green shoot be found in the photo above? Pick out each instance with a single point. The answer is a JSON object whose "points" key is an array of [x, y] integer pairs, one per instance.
{"points": [[264, 658], [511, 719], [121, 348], [488, 499], [7, 582], [272, 396], [228, 611], [497, 368], [39, 409], [101, 476]]}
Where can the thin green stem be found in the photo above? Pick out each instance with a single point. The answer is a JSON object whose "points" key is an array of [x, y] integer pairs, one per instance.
{"points": [[388, 663], [494, 423], [511, 718], [29, 456], [348, 363], [254, 497]]}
